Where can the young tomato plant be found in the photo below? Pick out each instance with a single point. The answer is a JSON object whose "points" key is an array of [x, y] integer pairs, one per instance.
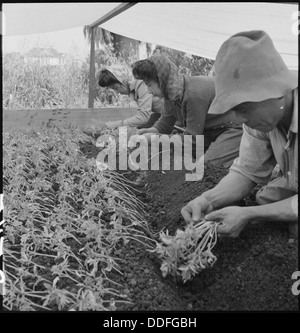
{"points": [[188, 252], [63, 220]]}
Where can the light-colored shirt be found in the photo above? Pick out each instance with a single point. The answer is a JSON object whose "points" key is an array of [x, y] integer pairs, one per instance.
{"points": [[260, 152], [146, 103]]}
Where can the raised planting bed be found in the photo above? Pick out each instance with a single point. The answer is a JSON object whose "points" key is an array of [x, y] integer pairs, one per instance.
{"points": [[63, 221], [81, 239], [252, 272]]}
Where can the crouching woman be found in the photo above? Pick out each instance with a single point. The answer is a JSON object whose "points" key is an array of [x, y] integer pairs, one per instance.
{"points": [[186, 101]]}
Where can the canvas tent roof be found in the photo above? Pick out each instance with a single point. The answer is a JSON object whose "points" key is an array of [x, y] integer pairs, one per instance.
{"points": [[197, 28]]}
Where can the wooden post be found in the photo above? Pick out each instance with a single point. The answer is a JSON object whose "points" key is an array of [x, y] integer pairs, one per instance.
{"points": [[92, 70], [119, 9]]}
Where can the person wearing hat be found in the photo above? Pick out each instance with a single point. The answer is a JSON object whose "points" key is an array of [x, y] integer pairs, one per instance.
{"points": [[253, 80], [186, 102], [118, 78]]}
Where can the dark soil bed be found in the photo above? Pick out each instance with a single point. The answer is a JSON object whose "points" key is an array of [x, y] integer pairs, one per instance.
{"points": [[252, 272]]}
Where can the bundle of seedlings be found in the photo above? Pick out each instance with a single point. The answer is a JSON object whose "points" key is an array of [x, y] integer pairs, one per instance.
{"points": [[189, 251]]}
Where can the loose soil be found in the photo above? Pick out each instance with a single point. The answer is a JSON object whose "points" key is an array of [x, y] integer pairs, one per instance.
{"points": [[253, 272]]}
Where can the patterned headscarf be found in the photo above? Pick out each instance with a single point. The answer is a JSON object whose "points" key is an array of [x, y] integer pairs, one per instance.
{"points": [[170, 80], [121, 73]]}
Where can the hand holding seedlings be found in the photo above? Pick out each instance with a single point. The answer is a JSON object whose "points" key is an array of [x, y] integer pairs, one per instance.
{"points": [[195, 210], [189, 251], [233, 220]]}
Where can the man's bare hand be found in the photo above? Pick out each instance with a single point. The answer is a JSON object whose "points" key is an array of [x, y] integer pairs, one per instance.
{"points": [[196, 209], [232, 220]]}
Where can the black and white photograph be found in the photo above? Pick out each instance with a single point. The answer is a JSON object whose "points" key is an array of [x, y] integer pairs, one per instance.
{"points": [[149, 160]]}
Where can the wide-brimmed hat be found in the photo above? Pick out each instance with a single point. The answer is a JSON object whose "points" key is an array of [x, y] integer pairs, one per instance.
{"points": [[249, 69]]}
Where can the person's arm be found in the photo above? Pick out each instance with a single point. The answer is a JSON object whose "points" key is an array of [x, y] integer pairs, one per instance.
{"points": [[166, 122], [164, 125], [144, 106], [254, 166], [231, 189], [284, 210], [147, 132], [198, 95], [195, 114], [234, 219]]}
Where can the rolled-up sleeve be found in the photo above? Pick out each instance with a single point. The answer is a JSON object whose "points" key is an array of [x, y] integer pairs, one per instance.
{"points": [[256, 159], [144, 106]]}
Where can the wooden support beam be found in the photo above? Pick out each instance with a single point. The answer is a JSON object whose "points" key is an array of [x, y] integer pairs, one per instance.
{"points": [[36, 119], [116, 11], [92, 70]]}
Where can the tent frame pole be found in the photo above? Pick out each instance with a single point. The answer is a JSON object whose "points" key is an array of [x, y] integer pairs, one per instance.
{"points": [[114, 12], [92, 71]]}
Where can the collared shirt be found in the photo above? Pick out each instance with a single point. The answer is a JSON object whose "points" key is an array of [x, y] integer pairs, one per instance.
{"points": [[260, 152], [146, 103]]}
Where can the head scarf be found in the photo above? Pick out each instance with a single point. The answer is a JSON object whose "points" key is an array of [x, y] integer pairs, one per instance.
{"points": [[122, 74], [170, 80]]}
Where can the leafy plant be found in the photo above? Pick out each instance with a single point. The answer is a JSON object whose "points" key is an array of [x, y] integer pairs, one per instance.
{"points": [[35, 86], [188, 252], [64, 218]]}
